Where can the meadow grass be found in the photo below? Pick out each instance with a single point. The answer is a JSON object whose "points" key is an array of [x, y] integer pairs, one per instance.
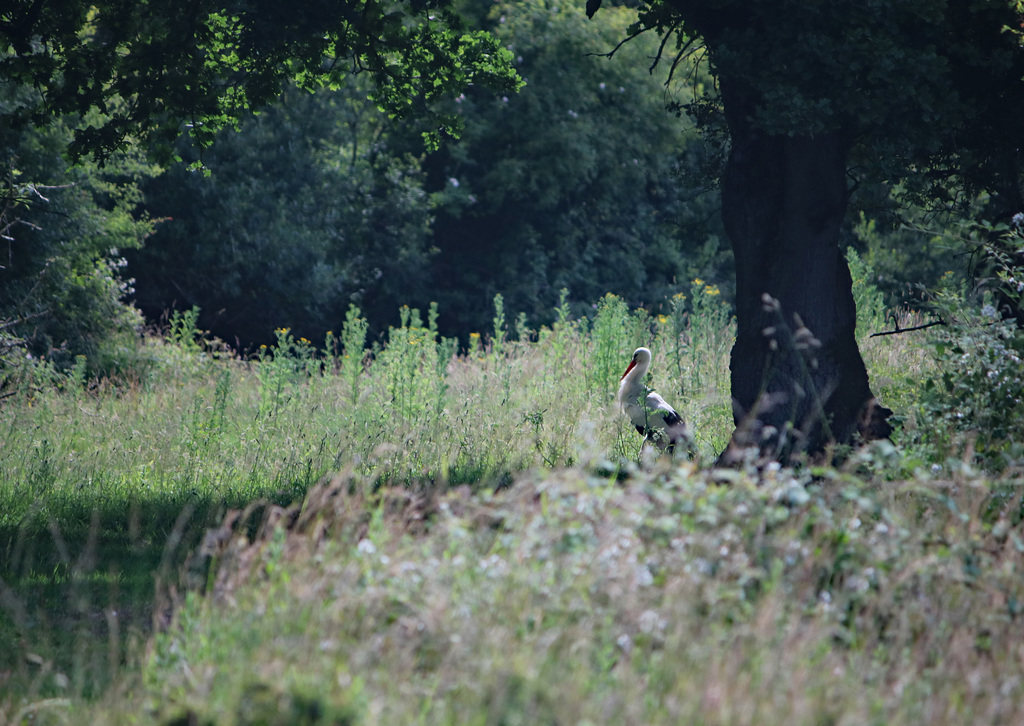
{"points": [[105, 486], [573, 597], [408, 535]]}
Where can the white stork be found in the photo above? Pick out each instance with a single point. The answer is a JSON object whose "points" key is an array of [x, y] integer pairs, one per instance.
{"points": [[649, 412]]}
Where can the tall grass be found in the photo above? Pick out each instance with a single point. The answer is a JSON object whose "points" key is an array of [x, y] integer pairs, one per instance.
{"points": [[418, 533], [105, 485], [573, 598]]}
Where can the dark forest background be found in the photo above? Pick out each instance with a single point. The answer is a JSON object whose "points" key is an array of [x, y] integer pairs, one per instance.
{"points": [[591, 179]]}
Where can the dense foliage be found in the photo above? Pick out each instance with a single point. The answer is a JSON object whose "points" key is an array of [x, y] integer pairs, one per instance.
{"points": [[308, 208], [924, 94], [555, 187], [321, 201], [154, 70], [64, 229], [113, 81]]}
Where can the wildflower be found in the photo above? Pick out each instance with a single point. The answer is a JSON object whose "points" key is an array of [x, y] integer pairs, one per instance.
{"points": [[625, 643], [712, 290], [650, 622], [1018, 219], [366, 547], [662, 319], [698, 282]]}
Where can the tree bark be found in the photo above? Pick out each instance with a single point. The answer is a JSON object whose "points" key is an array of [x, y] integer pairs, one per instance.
{"points": [[798, 379]]}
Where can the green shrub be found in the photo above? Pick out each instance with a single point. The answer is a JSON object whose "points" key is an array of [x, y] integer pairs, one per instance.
{"points": [[973, 405], [62, 288]]}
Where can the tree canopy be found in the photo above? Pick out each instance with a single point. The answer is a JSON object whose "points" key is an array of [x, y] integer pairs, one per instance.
{"points": [[321, 201], [925, 93], [307, 208], [148, 70]]}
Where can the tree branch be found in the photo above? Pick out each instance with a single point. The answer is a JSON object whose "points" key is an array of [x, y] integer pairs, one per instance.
{"points": [[621, 43], [900, 330]]}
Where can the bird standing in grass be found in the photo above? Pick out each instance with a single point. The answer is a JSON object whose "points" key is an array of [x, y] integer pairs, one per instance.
{"points": [[650, 413]]}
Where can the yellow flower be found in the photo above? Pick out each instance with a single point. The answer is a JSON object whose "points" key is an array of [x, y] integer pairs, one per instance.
{"points": [[698, 281], [663, 319], [474, 335], [712, 290]]}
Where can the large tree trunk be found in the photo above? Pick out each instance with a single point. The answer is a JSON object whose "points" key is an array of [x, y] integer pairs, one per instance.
{"points": [[783, 200]]}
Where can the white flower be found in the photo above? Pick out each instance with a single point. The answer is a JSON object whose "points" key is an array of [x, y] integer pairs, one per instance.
{"points": [[643, 576], [1018, 219], [366, 547], [650, 622]]}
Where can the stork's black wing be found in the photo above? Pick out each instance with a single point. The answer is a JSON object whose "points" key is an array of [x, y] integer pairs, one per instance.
{"points": [[671, 418]]}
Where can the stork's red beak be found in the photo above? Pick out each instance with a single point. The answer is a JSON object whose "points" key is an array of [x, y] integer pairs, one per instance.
{"points": [[631, 364]]}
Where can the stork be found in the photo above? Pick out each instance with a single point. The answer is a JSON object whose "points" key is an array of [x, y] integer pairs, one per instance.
{"points": [[650, 413]]}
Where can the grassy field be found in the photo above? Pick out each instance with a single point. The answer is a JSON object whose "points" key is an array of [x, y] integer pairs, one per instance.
{"points": [[318, 536]]}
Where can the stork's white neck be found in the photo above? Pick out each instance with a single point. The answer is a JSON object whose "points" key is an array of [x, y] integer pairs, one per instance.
{"points": [[632, 380]]}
